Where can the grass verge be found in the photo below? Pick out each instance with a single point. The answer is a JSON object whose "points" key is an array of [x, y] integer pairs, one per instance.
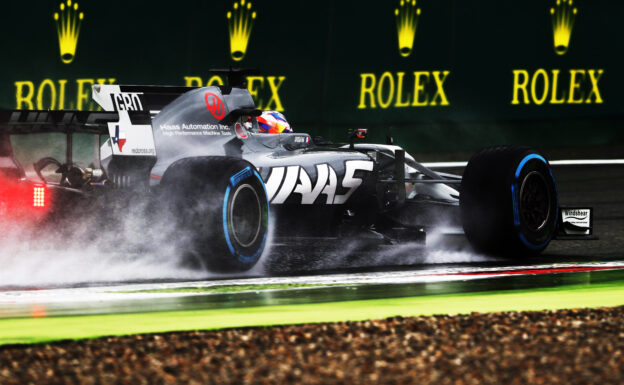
{"points": [[37, 330]]}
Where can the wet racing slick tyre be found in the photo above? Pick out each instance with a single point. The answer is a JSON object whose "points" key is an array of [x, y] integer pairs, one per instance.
{"points": [[508, 201], [222, 210]]}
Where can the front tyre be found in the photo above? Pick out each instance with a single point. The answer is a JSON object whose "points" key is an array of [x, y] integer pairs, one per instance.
{"points": [[222, 209], [508, 201]]}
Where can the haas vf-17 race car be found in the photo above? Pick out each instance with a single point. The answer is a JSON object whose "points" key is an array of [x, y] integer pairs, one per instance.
{"points": [[198, 153]]}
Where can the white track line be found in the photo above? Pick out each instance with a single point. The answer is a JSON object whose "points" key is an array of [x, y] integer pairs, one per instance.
{"points": [[568, 162], [574, 162], [96, 295]]}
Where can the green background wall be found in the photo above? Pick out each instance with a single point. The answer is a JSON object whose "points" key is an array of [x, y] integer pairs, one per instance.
{"points": [[319, 51]]}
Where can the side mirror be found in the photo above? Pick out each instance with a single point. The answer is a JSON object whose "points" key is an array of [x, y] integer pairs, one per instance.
{"points": [[359, 133]]}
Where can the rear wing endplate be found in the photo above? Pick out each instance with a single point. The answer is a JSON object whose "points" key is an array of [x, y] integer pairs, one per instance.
{"points": [[152, 99]]}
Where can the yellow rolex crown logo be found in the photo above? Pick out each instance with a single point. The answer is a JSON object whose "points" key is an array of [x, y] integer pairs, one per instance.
{"points": [[407, 15], [562, 15], [240, 22], [68, 21]]}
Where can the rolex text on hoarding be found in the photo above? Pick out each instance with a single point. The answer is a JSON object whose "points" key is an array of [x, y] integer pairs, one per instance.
{"points": [[57, 94], [556, 86], [263, 89], [423, 89]]}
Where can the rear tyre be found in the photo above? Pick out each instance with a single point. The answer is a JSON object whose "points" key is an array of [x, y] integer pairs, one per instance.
{"points": [[508, 201], [222, 210]]}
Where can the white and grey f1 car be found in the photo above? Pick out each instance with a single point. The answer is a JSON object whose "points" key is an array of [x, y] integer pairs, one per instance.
{"points": [[195, 152]]}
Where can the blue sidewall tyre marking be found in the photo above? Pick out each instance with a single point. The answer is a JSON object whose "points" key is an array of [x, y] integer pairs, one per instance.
{"points": [[225, 222], [532, 246], [515, 193], [526, 159], [515, 206], [234, 181]]}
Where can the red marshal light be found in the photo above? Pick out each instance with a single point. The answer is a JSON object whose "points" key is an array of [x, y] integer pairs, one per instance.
{"points": [[39, 196]]}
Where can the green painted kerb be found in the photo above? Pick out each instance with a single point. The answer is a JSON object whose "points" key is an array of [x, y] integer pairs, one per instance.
{"points": [[24, 331]]}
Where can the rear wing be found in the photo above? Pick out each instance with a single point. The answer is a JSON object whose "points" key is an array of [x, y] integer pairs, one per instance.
{"points": [[22, 122], [126, 119], [152, 99], [29, 122]]}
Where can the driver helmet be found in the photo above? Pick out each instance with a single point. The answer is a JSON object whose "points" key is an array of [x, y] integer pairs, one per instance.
{"points": [[273, 122]]}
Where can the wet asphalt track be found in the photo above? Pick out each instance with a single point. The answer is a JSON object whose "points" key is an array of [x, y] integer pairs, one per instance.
{"points": [[387, 272]]}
